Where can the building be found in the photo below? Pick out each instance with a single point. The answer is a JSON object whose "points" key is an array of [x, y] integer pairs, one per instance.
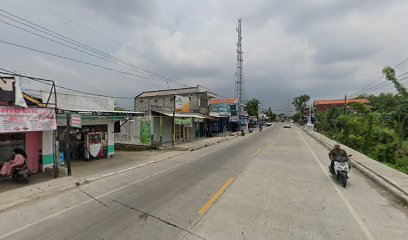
{"points": [[31, 127], [92, 123], [321, 105], [227, 113], [156, 127]]}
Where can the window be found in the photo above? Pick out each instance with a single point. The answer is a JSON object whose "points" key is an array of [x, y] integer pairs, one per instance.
{"points": [[203, 102]]}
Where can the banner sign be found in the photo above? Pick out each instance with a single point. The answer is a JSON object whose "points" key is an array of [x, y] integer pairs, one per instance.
{"points": [[145, 132], [234, 119], [214, 108], [183, 121], [182, 104], [76, 121], [224, 109], [14, 119], [7, 89]]}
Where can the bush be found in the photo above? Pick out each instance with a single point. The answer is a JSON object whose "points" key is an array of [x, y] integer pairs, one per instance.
{"points": [[384, 153]]}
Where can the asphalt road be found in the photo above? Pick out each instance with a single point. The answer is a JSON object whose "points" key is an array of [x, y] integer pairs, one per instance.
{"points": [[268, 185]]}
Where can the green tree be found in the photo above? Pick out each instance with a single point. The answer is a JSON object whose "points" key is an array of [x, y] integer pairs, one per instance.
{"points": [[270, 114], [252, 107], [300, 104]]}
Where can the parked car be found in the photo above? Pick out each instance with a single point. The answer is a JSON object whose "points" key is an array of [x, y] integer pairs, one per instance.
{"points": [[287, 125]]}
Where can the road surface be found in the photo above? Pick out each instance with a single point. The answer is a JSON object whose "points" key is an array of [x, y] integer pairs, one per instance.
{"points": [[268, 185]]}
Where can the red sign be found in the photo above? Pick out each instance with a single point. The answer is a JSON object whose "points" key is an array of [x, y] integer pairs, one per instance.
{"points": [[76, 121], [13, 119]]}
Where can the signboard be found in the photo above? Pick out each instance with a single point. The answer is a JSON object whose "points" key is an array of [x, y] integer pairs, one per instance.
{"points": [[214, 108], [14, 119], [224, 109], [145, 131], [7, 89], [183, 121], [234, 119], [182, 104], [76, 121]]}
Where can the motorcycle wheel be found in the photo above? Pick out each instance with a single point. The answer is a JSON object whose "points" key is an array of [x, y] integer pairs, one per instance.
{"points": [[343, 180]]}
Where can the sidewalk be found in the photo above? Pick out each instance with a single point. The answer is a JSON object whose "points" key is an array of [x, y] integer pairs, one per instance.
{"points": [[41, 186], [394, 181]]}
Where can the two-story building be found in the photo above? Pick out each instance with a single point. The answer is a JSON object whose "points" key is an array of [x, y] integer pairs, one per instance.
{"points": [[162, 117]]}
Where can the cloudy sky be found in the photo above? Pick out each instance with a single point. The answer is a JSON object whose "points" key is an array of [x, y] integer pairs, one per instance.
{"points": [[324, 48]]}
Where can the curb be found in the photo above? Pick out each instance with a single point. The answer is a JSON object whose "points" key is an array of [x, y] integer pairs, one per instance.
{"points": [[41, 195], [375, 177]]}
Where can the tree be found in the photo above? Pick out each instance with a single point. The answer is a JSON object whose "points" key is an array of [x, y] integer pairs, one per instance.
{"points": [[252, 107], [300, 104], [270, 114], [119, 108]]}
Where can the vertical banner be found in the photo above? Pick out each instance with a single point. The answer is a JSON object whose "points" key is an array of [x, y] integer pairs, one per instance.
{"points": [[182, 104], [145, 131], [76, 121]]}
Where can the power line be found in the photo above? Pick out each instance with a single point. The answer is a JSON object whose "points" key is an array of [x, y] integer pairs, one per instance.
{"points": [[75, 60], [382, 75], [83, 46], [62, 87]]}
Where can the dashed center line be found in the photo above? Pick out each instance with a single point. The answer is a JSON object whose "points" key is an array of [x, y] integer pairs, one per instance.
{"points": [[216, 196]]}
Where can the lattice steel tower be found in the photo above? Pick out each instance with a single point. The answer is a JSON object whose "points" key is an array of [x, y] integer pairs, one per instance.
{"points": [[239, 75]]}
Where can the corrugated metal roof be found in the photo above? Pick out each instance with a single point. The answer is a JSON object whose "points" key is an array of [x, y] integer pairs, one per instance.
{"points": [[198, 89], [341, 101], [184, 115]]}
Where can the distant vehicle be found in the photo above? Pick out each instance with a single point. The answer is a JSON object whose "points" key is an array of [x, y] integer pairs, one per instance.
{"points": [[287, 125], [268, 124]]}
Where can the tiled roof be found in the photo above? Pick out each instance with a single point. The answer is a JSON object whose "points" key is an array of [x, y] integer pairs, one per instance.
{"points": [[340, 101]]}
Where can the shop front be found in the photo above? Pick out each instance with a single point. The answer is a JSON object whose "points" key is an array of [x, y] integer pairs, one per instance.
{"points": [[31, 129], [90, 136]]}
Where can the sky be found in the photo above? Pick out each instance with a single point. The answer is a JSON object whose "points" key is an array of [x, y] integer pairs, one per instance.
{"points": [[323, 48]]}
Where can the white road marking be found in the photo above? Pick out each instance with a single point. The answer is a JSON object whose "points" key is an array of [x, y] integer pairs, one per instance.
{"points": [[102, 195], [338, 190]]}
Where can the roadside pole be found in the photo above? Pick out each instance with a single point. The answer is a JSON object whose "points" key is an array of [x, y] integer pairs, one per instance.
{"points": [[174, 122], [67, 144]]}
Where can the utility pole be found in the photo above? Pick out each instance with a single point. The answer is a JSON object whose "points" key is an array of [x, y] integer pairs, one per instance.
{"points": [[345, 104], [173, 122], [68, 144], [239, 76]]}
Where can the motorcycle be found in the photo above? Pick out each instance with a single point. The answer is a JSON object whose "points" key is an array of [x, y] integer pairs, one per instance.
{"points": [[340, 169], [260, 128], [242, 132], [19, 174]]}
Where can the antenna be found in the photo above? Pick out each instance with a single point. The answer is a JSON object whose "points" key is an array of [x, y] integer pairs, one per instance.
{"points": [[239, 76]]}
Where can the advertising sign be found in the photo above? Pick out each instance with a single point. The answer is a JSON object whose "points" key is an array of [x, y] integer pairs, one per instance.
{"points": [[182, 104], [183, 121], [145, 132], [14, 119], [224, 109], [7, 89], [76, 121], [234, 119]]}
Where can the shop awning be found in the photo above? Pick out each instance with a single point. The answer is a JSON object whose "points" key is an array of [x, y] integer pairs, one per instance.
{"points": [[183, 115], [101, 112]]}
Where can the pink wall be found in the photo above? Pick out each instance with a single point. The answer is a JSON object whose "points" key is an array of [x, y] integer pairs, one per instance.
{"points": [[33, 146]]}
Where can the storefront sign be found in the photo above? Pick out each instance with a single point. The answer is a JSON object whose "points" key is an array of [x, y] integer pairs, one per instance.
{"points": [[7, 89], [182, 104], [234, 119], [145, 132], [224, 109], [214, 108], [76, 121], [183, 121], [14, 119]]}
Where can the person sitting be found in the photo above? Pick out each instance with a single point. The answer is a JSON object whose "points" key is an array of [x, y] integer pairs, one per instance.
{"points": [[18, 159]]}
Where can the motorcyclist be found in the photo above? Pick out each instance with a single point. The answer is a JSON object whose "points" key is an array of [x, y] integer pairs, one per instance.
{"points": [[335, 153]]}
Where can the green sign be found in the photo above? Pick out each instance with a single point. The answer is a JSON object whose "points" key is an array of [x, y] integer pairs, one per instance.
{"points": [[145, 132], [183, 121]]}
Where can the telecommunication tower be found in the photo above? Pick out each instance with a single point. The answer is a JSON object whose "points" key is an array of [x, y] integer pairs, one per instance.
{"points": [[239, 76]]}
